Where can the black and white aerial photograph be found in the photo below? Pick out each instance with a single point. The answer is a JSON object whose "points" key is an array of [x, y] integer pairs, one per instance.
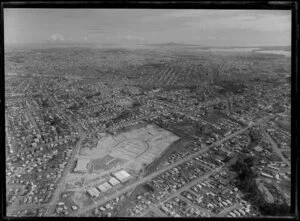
{"points": [[147, 112]]}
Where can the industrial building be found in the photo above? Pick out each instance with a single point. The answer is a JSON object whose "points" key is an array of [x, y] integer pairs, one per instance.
{"points": [[114, 182], [81, 165], [122, 176], [104, 187], [93, 192]]}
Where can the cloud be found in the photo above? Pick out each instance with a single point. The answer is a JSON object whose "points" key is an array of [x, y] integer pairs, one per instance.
{"points": [[57, 37]]}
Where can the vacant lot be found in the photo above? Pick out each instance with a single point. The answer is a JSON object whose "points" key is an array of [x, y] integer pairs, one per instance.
{"points": [[131, 149]]}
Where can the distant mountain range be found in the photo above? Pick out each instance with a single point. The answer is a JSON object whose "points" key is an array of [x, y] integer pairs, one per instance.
{"points": [[168, 44], [173, 44]]}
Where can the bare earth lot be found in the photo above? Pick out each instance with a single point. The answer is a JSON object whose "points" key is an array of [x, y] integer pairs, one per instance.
{"points": [[130, 149]]}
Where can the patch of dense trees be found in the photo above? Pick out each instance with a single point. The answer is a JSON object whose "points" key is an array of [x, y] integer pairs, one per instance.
{"points": [[148, 188], [193, 88], [255, 137], [230, 86], [74, 107], [245, 181], [136, 104], [219, 106], [93, 95], [45, 103], [205, 129], [164, 99], [54, 121], [277, 108], [123, 115]]}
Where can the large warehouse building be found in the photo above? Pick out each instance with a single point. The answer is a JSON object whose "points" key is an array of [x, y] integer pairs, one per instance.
{"points": [[104, 187], [122, 176], [81, 165]]}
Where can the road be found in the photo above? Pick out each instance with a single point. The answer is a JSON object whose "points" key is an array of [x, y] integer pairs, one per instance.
{"points": [[74, 156], [61, 185], [193, 205], [158, 212], [189, 185], [58, 191], [274, 145], [10, 211], [227, 210], [185, 112], [154, 174]]}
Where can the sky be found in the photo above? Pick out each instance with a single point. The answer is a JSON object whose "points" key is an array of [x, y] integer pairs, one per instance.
{"points": [[218, 28]]}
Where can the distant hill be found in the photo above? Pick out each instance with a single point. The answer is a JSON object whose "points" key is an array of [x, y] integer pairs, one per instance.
{"points": [[172, 44], [284, 48]]}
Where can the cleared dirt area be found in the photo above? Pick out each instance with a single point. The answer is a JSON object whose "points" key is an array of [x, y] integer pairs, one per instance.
{"points": [[131, 149], [74, 182], [81, 199]]}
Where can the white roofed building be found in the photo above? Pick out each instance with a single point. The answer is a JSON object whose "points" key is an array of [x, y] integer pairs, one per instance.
{"points": [[122, 176], [81, 165], [114, 182], [104, 187], [95, 191], [91, 193]]}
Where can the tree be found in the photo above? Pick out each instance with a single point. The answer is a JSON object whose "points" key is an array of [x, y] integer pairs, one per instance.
{"points": [[247, 184]]}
